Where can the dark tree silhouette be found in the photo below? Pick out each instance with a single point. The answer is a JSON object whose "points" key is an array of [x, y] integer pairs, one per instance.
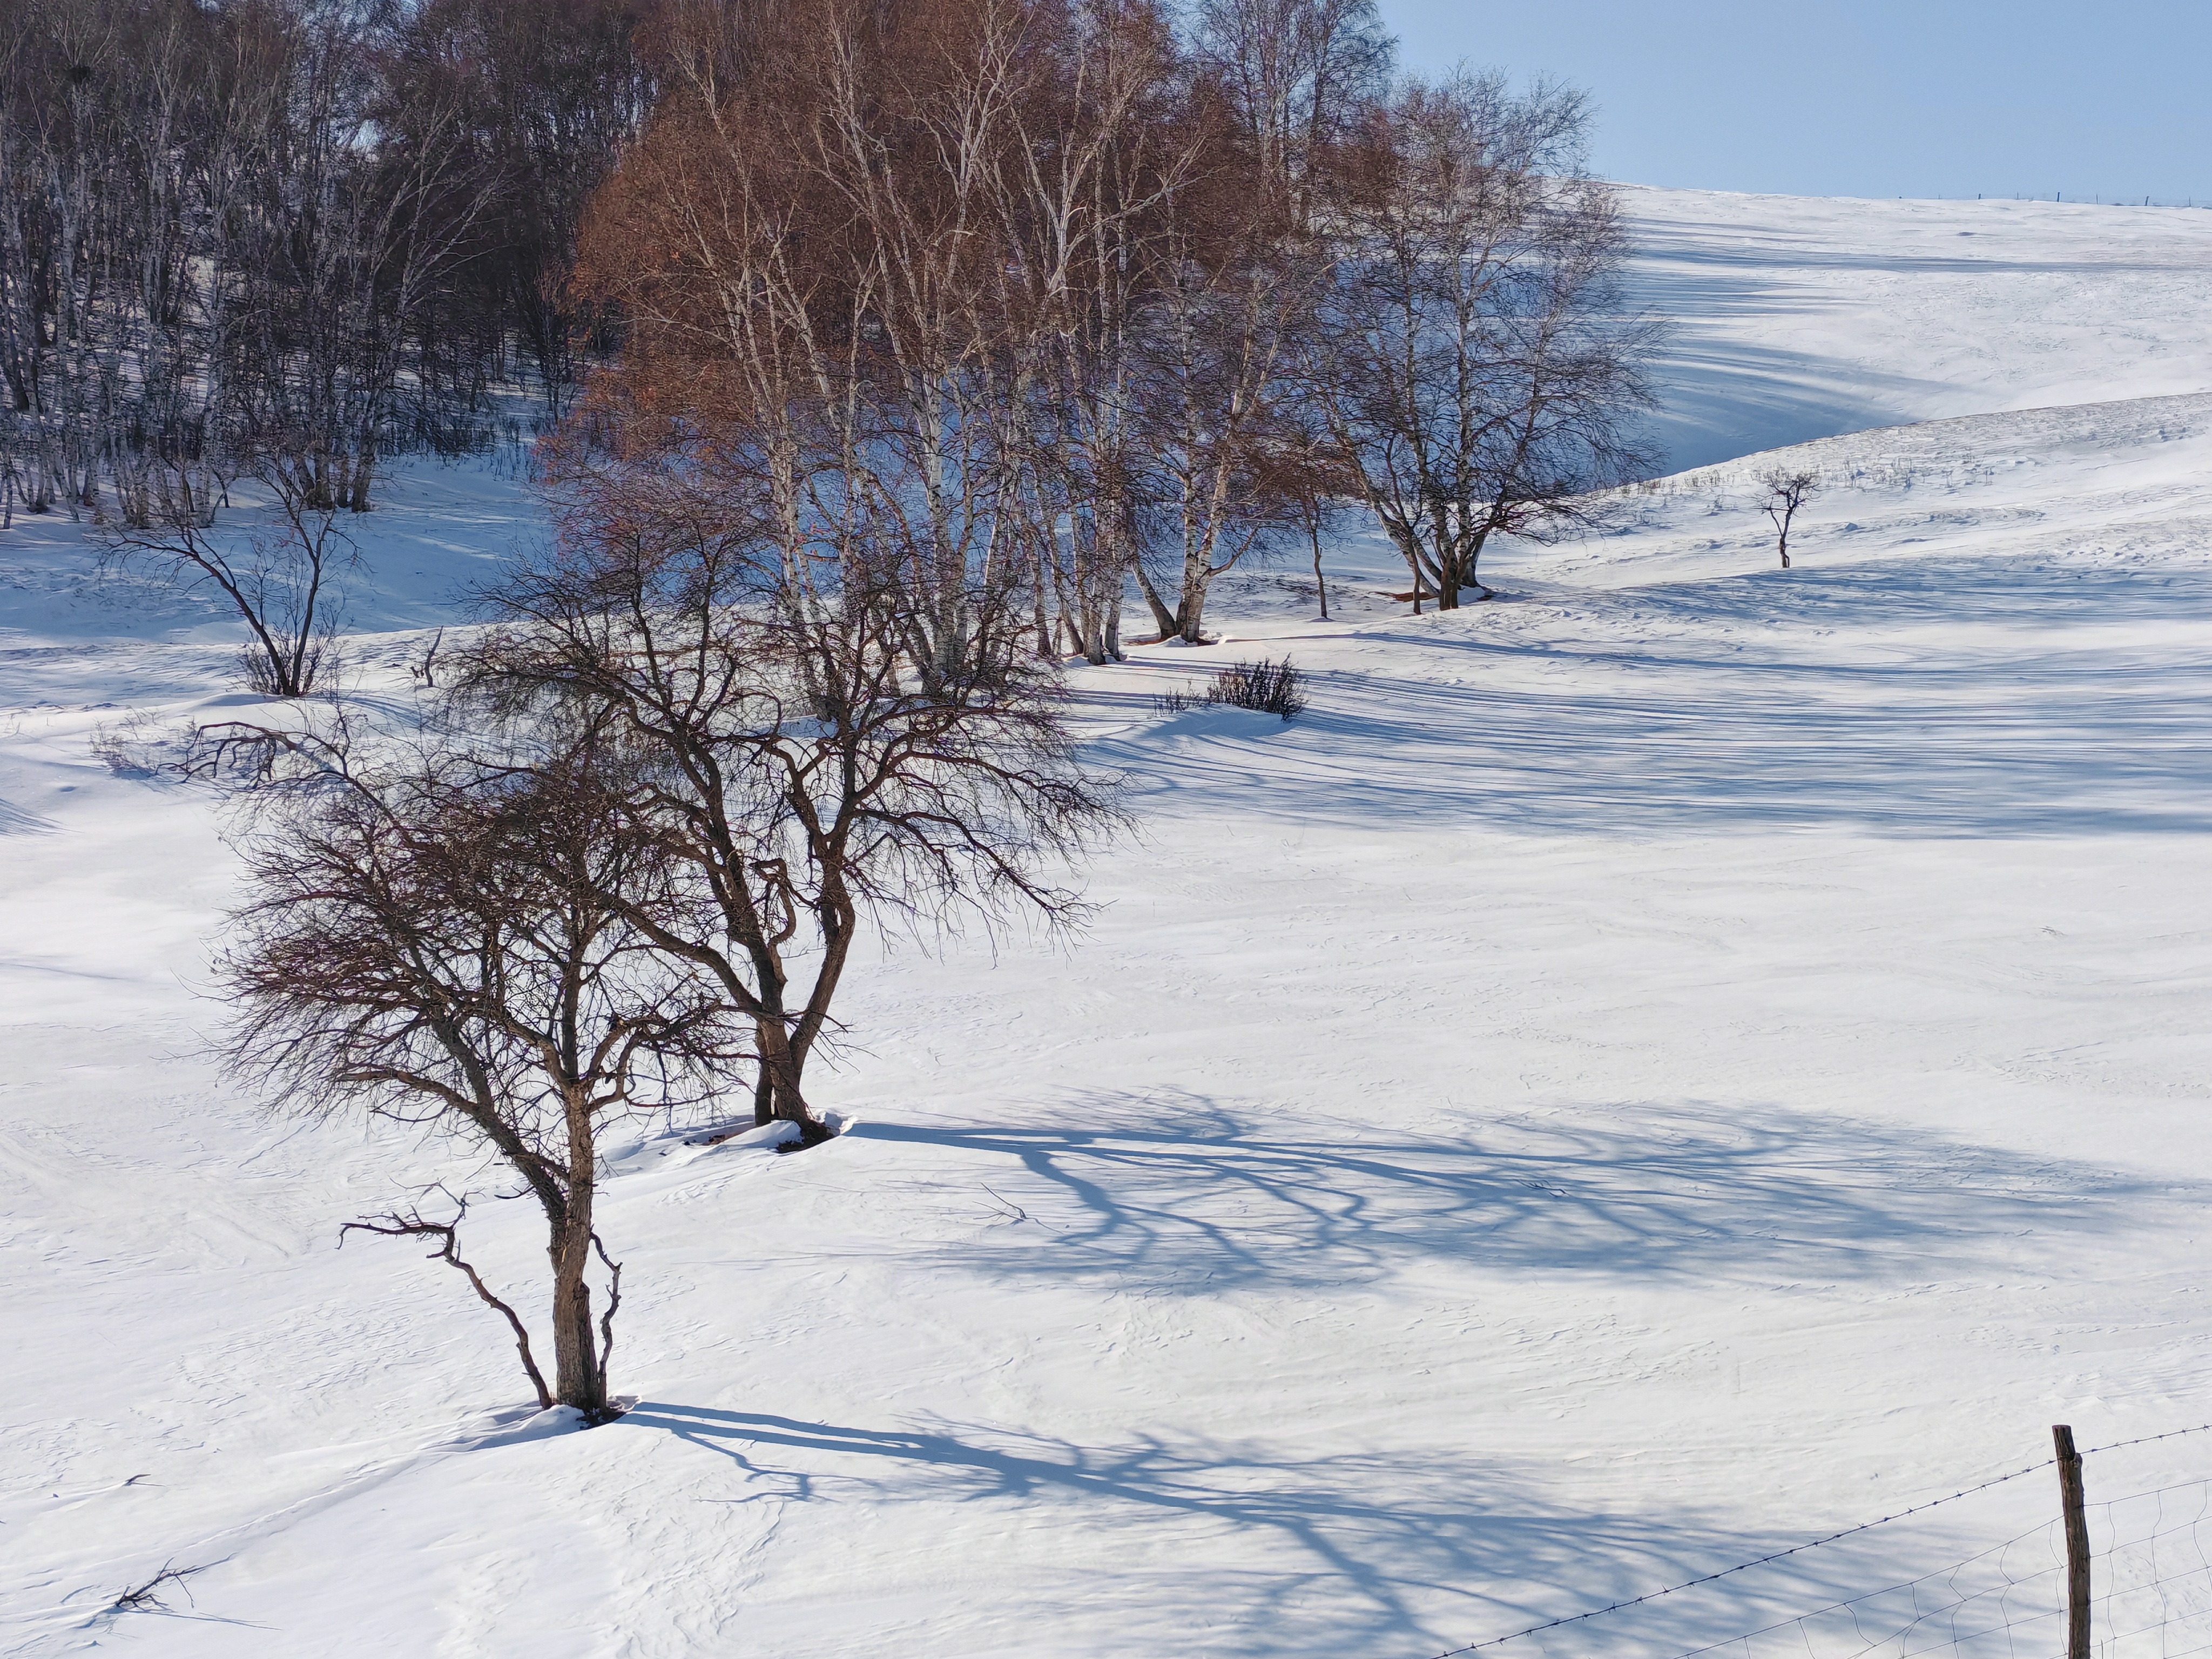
{"points": [[1787, 490], [460, 941]]}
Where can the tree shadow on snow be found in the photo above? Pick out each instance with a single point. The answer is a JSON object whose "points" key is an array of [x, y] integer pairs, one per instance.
{"points": [[1723, 394], [1255, 1544], [1173, 1194], [1349, 1552], [1713, 738], [22, 821]]}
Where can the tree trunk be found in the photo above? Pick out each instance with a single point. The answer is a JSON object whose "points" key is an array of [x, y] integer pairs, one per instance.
{"points": [[1169, 623], [580, 1377], [1451, 568], [763, 1095], [1191, 612], [1474, 570], [1041, 610], [782, 1063], [578, 1380], [364, 469], [1409, 551]]}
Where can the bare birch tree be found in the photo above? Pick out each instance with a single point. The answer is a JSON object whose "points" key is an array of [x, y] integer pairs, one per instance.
{"points": [[1084, 203]]}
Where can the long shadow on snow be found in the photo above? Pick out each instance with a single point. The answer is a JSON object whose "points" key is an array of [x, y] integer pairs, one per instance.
{"points": [[1353, 1552], [1390, 1553], [1722, 399], [1948, 739], [22, 821], [1176, 1194], [1722, 396]]}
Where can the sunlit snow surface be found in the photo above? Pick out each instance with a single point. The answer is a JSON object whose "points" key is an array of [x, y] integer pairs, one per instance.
{"points": [[1663, 1066]]}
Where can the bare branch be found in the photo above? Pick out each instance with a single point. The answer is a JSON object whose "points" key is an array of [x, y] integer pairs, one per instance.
{"points": [[412, 1224]]}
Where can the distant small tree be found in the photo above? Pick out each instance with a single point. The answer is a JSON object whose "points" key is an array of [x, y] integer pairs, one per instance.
{"points": [[1786, 491], [442, 941], [1319, 487], [1317, 511]]}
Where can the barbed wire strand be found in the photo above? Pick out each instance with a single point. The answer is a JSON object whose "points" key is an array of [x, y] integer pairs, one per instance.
{"points": [[1812, 1544], [2145, 1440]]}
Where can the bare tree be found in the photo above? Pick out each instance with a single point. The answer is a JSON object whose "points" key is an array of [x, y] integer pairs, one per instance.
{"points": [[1787, 490], [281, 576], [453, 941], [1210, 379], [800, 772], [1475, 367]]}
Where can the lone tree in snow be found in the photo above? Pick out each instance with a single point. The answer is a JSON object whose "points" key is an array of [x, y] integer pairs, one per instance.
{"points": [[1786, 491], [458, 942]]}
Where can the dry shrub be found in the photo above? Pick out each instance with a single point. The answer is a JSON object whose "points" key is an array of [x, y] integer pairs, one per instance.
{"points": [[1268, 688]]}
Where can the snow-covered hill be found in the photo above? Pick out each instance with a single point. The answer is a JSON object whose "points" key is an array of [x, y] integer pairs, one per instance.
{"points": [[1666, 1065], [1800, 318]]}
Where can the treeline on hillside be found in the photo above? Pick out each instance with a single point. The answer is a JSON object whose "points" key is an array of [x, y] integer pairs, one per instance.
{"points": [[1061, 295], [1089, 291], [242, 234]]}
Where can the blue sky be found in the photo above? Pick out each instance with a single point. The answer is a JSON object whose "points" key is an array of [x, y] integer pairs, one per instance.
{"points": [[1880, 97]]}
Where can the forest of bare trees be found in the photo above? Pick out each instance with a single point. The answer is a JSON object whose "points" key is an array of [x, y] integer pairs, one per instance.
{"points": [[287, 235], [1066, 299], [1088, 298], [875, 355]]}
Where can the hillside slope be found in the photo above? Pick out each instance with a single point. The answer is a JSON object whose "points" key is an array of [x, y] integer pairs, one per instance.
{"points": [[1800, 317], [1670, 1063]]}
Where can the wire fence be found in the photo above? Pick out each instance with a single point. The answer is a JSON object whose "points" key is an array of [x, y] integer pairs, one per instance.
{"points": [[2149, 1557]]}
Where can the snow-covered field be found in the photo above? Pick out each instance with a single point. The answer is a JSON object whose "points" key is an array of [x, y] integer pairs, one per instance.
{"points": [[1656, 1069]]}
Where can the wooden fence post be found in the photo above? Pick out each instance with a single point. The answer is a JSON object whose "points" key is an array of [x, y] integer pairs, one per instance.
{"points": [[2077, 1542]]}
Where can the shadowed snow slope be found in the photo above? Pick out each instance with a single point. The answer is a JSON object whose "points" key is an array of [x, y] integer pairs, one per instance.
{"points": [[1649, 1070], [1799, 318]]}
